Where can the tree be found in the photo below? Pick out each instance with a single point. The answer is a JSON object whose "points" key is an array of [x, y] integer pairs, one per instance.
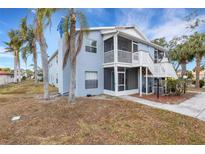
{"points": [[197, 45], [41, 21], [14, 46], [29, 44], [180, 52], [68, 28], [160, 41]]}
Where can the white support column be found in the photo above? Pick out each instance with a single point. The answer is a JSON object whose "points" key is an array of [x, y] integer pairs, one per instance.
{"points": [[146, 81], [116, 79], [140, 80], [115, 63], [115, 49]]}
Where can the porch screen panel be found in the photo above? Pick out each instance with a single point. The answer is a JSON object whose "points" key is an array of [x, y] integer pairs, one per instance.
{"points": [[108, 45], [109, 79], [124, 44], [131, 78]]}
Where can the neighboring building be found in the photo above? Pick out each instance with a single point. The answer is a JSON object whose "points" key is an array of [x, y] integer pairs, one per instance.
{"points": [[6, 78], [53, 69], [201, 75], [114, 61]]}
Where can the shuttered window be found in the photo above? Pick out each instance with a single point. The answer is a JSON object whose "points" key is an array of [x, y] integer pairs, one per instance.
{"points": [[91, 79]]}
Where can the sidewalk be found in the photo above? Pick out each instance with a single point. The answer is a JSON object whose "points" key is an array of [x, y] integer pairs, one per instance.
{"points": [[194, 107]]}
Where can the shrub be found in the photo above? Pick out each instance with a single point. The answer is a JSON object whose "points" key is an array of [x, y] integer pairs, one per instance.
{"points": [[201, 83], [175, 86]]}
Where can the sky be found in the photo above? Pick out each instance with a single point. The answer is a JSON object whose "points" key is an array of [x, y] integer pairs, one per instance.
{"points": [[154, 23]]}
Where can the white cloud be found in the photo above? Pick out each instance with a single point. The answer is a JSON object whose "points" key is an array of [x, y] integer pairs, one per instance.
{"points": [[172, 22], [138, 17]]}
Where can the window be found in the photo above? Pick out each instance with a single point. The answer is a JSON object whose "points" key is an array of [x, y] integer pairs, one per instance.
{"points": [[91, 79], [135, 47], [124, 44], [91, 46], [158, 55], [108, 45]]}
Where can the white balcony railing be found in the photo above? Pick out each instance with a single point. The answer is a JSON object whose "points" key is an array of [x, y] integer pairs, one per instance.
{"points": [[124, 56], [109, 56]]}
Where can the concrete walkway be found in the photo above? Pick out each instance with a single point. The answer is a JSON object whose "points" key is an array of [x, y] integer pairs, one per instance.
{"points": [[194, 107]]}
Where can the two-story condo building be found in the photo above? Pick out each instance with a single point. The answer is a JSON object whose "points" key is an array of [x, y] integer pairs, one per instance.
{"points": [[113, 60]]}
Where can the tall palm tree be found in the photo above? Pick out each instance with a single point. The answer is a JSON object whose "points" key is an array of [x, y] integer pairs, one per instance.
{"points": [[29, 44], [74, 41], [41, 21], [14, 46], [196, 43], [180, 52]]}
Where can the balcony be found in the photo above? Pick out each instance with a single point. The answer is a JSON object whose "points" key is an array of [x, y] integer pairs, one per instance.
{"points": [[123, 57]]}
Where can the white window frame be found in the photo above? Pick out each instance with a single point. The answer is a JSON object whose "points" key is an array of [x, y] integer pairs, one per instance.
{"points": [[96, 47], [91, 78]]}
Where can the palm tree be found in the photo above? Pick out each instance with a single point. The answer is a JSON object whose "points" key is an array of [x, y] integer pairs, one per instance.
{"points": [[41, 21], [180, 52], [30, 44], [68, 27], [14, 46], [196, 43]]}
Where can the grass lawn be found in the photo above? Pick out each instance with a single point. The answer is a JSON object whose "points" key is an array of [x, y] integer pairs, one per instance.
{"points": [[89, 121]]}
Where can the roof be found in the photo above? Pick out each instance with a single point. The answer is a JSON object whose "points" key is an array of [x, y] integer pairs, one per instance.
{"points": [[143, 39], [114, 29], [5, 73], [53, 55]]}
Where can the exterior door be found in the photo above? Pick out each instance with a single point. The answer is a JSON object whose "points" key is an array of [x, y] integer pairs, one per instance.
{"points": [[121, 81]]}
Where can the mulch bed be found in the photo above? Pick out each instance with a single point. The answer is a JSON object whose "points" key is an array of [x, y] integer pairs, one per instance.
{"points": [[167, 99]]}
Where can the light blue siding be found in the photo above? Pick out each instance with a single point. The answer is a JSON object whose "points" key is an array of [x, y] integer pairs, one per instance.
{"points": [[145, 47], [87, 61]]}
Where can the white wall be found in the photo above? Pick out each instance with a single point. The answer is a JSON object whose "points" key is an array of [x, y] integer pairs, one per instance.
{"points": [[53, 71], [5, 79]]}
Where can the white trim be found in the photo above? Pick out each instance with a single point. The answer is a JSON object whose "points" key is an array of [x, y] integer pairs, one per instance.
{"points": [[121, 93], [109, 92], [146, 81], [140, 81]]}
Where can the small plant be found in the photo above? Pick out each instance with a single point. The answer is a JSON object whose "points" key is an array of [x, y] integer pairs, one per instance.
{"points": [[175, 86], [201, 83]]}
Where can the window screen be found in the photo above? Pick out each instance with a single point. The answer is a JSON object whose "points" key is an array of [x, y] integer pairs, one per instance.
{"points": [[108, 45], [124, 44]]}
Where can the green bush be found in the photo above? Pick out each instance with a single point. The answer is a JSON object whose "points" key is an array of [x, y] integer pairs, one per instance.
{"points": [[175, 86], [201, 83]]}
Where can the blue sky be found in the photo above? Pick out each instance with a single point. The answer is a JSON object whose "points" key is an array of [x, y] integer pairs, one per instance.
{"points": [[154, 23]]}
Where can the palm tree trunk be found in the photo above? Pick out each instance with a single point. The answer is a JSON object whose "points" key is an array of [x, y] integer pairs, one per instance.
{"points": [[15, 67], [18, 69], [183, 65], [198, 64], [35, 62], [72, 87], [44, 59]]}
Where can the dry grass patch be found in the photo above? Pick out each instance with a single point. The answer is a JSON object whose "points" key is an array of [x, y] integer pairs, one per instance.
{"points": [[25, 87], [93, 121]]}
